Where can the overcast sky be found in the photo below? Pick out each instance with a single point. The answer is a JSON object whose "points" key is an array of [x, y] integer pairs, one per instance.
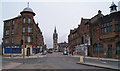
{"points": [[64, 14]]}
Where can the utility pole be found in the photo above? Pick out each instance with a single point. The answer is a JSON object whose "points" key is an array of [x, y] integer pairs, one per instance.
{"points": [[84, 47], [23, 51]]}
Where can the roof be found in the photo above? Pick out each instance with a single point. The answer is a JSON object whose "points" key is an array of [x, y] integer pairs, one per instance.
{"points": [[19, 16], [113, 5], [27, 10]]}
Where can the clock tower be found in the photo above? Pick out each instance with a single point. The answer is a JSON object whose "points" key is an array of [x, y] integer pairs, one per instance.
{"points": [[55, 39]]}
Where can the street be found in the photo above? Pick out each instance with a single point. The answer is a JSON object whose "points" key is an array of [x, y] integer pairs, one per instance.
{"points": [[49, 61]]}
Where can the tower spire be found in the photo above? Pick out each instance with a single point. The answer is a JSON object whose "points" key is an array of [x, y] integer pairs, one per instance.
{"points": [[28, 4], [55, 30]]}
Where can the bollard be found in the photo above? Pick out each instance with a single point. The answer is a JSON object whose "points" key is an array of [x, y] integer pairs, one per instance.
{"points": [[81, 58]]}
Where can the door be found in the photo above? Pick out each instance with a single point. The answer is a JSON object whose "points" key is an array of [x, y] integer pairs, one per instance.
{"points": [[110, 51], [28, 51]]}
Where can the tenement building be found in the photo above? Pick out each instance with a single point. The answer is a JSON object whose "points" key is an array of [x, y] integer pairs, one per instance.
{"points": [[100, 35], [62, 46], [22, 27]]}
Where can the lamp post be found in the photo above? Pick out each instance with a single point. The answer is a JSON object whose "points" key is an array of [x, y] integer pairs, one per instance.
{"points": [[22, 43], [84, 48]]}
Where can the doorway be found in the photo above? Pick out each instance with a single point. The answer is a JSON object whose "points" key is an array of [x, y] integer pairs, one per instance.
{"points": [[28, 51], [110, 51]]}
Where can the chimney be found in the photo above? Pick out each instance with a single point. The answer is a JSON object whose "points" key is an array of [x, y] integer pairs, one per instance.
{"points": [[99, 12], [37, 24]]}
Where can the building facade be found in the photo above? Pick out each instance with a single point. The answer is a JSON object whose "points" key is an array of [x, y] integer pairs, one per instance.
{"points": [[22, 27], [102, 35], [62, 46], [55, 40]]}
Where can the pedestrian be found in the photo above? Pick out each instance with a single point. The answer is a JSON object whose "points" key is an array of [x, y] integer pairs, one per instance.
{"points": [[72, 52]]}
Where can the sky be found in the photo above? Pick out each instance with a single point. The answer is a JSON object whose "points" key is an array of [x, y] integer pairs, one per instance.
{"points": [[64, 14]]}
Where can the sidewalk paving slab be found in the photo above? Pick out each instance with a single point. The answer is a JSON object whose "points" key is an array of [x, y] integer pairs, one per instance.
{"points": [[108, 59], [99, 65]]}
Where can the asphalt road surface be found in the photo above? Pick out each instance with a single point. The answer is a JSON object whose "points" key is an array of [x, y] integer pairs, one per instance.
{"points": [[49, 61]]}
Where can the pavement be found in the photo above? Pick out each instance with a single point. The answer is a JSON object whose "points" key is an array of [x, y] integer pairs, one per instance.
{"points": [[107, 63], [34, 56]]}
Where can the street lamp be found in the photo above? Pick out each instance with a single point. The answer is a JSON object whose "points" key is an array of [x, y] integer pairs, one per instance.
{"points": [[84, 48], [22, 43]]}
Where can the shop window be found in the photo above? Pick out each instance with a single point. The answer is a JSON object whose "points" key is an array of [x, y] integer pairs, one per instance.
{"points": [[14, 49], [19, 49]]}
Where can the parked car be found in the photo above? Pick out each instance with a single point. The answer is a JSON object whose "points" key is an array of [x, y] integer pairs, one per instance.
{"points": [[65, 53], [50, 51], [44, 53]]}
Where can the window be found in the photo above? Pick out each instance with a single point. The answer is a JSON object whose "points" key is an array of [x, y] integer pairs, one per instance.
{"points": [[8, 24], [116, 26], [12, 31], [87, 26], [7, 40], [29, 20], [82, 39], [28, 38], [24, 20], [7, 32], [102, 30], [29, 29], [13, 22], [98, 48], [105, 28], [18, 49], [23, 29], [118, 48], [12, 40], [111, 27]]}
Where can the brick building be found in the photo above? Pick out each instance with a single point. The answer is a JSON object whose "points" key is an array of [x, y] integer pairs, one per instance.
{"points": [[107, 41], [102, 37], [62, 46], [76, 38], [22, 27]]}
